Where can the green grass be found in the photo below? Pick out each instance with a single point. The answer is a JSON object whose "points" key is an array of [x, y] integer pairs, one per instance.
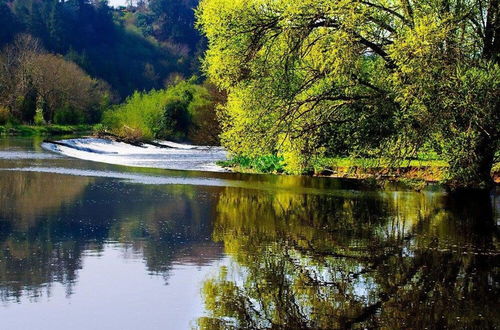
{"points": [[415, 171], [323, 163], [36, 130], [275, 164]]}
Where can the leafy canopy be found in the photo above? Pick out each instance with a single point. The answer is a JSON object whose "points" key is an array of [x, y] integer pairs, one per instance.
{"points": [[389, 77]]}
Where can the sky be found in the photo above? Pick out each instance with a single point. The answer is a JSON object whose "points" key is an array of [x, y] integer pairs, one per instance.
{"points": [[117, 3]]}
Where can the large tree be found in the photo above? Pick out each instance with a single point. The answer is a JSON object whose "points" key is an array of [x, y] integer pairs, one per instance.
{"points": [[385, 77]]}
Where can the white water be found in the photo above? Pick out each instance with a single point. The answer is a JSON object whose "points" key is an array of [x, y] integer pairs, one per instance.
{"points": [[175, 157]]}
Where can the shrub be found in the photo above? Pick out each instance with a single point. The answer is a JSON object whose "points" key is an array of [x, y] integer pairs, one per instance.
{"points": [[67, 115], [177, 113], [4, 115], [98, 129], [140, 116], [263, 164], [38, 119]]}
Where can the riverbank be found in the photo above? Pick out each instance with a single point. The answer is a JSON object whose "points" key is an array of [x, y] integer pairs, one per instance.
{"points": [[43, 130], [415, 173]]}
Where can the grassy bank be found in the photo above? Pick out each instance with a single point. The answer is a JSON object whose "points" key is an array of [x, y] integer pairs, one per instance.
{"points": [[415, 172], [34, 130]]}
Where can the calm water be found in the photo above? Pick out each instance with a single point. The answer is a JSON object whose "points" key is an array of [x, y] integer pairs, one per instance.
{"points": [[85, 245]]}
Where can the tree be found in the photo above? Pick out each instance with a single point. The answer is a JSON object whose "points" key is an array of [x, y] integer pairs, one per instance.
{"points": [[8, 23], [68, 94], [17, 92], [174, 21], [31, 78], [94, 36], [391, 77], [183, 111]]}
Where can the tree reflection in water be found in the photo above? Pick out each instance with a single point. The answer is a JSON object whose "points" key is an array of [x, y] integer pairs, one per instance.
{"points": [[49, 222], [406, 260], [325, 258]]}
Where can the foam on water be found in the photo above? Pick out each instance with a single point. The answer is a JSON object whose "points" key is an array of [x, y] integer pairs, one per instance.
{"points": [[174, 156]]}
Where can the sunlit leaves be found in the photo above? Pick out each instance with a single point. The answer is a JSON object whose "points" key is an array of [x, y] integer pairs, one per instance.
{"points": [[304, 77]]}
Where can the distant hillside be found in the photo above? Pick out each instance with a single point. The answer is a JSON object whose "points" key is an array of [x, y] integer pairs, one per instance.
{"points": [[136, 48]]}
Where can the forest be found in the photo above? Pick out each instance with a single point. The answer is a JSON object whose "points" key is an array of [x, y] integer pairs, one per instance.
{"points": [[115, 51], [294, 87]]}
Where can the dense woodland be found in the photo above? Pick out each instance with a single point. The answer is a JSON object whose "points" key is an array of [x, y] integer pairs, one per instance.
{"points": [[141, 47]]}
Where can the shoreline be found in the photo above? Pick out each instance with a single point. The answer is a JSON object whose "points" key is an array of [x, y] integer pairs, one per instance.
{"points": [[44, 130], [413, 177]]}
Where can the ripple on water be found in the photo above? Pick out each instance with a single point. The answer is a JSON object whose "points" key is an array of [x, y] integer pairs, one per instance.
{"points": [[129, 177], [16, 155]]}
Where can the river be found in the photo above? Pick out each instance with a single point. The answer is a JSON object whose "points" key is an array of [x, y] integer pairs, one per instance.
{"points": [[90, 245]]}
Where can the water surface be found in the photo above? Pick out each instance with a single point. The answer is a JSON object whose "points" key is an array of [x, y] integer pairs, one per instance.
{"points": [[163, 154], [85, 245]]}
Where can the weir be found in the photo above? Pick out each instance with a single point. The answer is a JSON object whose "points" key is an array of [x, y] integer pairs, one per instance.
{"points": [[160, 154]]}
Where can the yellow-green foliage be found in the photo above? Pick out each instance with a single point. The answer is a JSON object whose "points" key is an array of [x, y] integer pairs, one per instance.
{"points": [[277, 280], [169, 113], [141, 112], [356, 78], [4, 115]]}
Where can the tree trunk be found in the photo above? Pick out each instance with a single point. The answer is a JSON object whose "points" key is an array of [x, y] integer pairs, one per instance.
{"points": [[486, 156], [491, 40]]}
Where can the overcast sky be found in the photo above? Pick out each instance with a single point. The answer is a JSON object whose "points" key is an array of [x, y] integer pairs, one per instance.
{"points": [[117, 3]]}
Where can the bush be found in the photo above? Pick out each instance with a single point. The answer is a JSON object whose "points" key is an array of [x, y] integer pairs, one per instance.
{"points": [[175, 113], [141, 116], [99, 129], [38, 119], [263, 164], [69, 116], [4, 115]]}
